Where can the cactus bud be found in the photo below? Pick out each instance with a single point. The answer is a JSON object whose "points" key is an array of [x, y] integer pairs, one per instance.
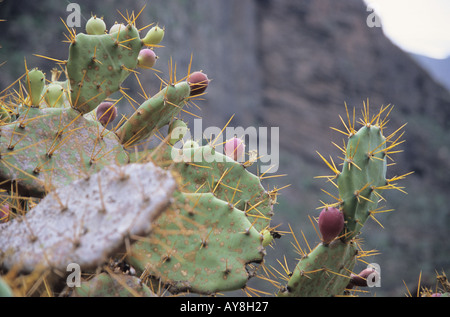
{"points": [[369, 274], [106, 113], [146, 58], [95, 26], [198, 82], [54, 95], [234, 148], [35, 85], [117, 27], [154, 36], [331, 223]]}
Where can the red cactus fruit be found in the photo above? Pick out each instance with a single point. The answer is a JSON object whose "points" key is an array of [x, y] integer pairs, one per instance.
{"points": [[147, 58], [106, 112], [234, 148], [198, 82], [362, 279], [4, 213], [331, 223]]}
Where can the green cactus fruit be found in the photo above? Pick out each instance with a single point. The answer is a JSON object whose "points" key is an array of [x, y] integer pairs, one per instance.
{"points": [[113, 285], [177, 130], [147, 58], [54, 95], [106, 113], [95, 26], [362, 178], [49, 147], [98, 64], [323, 272], [267, 237], [35, 85], [190, 144], [154, 36], [117, 27], [331, 224], [199, 82], [154, 113], [201, 244]]}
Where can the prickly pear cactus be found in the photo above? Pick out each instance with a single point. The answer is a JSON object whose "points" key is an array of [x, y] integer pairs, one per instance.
{"points": [[326, 270]]}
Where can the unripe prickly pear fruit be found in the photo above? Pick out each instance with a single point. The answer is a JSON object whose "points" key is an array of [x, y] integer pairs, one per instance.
{"points": [[198, 82], [147, 58], [331, 223], [117, 27], [106, 113], [235, 148], [190, 144], [95, 26], [35, 84], [177, 130], [154, 36], [54, 95], [267, 237]]}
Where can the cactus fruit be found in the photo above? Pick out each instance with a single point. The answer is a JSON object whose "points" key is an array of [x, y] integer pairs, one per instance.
{"points": [[154, 36], [35, 86], [363, 278], [106, 113], [331, 223], [147, 58], [54, 95], [234, 148], [95, 26], [88, 220], [177, 130], [198, 82]]}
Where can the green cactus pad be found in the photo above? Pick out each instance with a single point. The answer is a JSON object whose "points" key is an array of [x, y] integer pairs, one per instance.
{"points": [[363, 174], [325, 271], [154, 113], [98, 64], [204, 170], [201, 244], [50, 147]]}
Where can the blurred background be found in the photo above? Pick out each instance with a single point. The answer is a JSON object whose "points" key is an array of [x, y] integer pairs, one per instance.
{"points": [[294, 64]]}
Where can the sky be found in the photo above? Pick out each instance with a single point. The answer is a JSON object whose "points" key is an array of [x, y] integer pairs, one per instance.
{"points": [[417, 26]]}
